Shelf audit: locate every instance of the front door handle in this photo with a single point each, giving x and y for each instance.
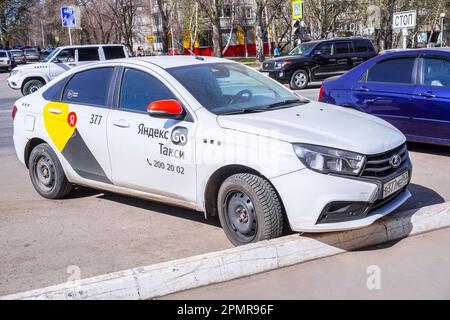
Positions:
(121, 123)
(55, 111)
(427, 94)
(362, 89)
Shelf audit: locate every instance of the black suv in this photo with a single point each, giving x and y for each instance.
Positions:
(318, 60)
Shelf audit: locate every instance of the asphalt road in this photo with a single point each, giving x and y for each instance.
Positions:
(97, 232)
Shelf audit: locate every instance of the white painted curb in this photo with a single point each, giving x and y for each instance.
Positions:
(172, 276)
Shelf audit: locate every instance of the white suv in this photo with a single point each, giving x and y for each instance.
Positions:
(214, 136)
(29, 78)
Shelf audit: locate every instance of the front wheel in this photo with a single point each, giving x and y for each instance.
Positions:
(31, 86)
(47, 174)
(249, 209)
(299, 80)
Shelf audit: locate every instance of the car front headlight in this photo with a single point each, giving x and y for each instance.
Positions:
(329, 160)
(14, 73)
(281, 64)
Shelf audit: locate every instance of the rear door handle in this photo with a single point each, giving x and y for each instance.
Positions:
(427, 94)
(362, 89)
(121, 123)
(55, 111)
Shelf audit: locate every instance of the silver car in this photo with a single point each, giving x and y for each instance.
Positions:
(31, 55)
(18, 55)
(6, 61)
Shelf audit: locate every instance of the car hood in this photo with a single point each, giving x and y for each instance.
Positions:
(33, 66)
(285, 58)
(319, 124)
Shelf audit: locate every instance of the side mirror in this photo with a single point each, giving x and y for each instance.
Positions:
(318, 53)
(165, 109)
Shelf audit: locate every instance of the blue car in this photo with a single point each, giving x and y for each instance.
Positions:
(410, 89)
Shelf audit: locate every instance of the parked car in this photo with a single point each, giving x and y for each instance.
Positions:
(318, 60)
(31, 54)
(215, 136)
(45, 53)
(18, 56)
(30, 78)
(6, 61)
(410, 89)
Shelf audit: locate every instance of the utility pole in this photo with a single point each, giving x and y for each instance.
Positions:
(42, 34)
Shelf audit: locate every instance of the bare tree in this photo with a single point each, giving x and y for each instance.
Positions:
(213, 11)
(14, 19)
(165, 10)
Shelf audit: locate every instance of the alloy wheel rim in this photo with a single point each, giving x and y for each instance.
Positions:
(300, 79)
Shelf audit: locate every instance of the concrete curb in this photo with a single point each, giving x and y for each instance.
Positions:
(177, 275)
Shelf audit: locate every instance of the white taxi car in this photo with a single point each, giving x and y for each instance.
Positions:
(214, 136)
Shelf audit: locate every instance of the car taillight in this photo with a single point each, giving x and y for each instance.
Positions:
(8, 61)
(14, 111)
(321, 93)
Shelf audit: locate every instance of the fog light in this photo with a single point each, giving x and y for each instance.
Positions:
(343, 211)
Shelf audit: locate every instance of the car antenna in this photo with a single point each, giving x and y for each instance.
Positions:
(192, 53)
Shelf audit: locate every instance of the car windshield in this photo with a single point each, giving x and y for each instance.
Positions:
(2, 54)
(50, 56)
(230, 88)
(32, 51)
(303, 49)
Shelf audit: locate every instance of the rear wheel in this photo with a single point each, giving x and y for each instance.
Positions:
(31, 86)
(249, 209)
(47, 174)
(299, 80)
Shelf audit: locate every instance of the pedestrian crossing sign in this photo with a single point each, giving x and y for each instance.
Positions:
(297, 9)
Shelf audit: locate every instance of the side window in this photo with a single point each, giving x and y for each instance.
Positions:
(67, 55)
(392, 71)
(360, 46)
(114, 52)
(436, 72)
(139, 89)
(54, 92)
(88, 54)
(326, 49)
(89, 87)
(341, 48)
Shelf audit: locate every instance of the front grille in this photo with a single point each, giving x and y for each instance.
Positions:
(379, 166)
(268, 66)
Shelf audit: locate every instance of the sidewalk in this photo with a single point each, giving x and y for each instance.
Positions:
(413, 268)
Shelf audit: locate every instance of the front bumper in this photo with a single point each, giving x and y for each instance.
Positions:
(306, 195)
(282, 76)
(14, 82)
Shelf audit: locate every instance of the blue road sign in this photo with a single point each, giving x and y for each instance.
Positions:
(68, 17)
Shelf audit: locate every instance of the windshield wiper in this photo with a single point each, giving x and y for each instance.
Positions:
(285, 102)
(240, 111)
(276, 105)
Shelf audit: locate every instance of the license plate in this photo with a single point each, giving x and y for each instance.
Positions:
(265, 73)
(395, 184)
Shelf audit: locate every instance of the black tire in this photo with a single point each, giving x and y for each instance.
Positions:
(47, 174)
(299, 80)
(249, 209)
(31, 86)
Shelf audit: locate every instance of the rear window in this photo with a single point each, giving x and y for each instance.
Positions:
(392, 71)
(341, 47)
(30, 51)
(361, 46)
(88, 54)
(114, 53)
(89, 87)
(2, 54)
